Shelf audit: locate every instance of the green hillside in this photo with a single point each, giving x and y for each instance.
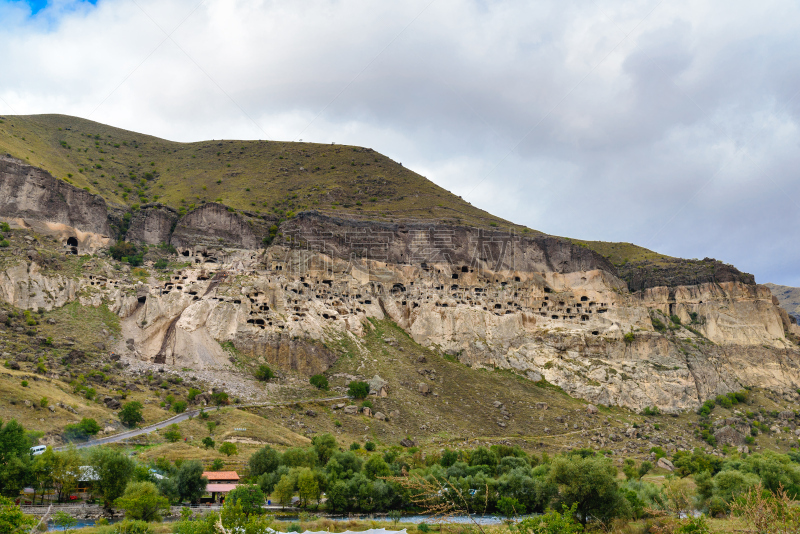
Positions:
(129, 168)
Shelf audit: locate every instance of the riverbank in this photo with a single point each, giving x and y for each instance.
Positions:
(720, 526)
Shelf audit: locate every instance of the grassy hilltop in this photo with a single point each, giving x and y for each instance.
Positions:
(278, 177)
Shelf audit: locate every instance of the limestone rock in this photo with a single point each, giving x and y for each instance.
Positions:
(591, 409)
(663, 463)
(729, 436)
(351, 410)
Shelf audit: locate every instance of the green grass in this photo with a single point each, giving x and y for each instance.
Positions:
(268, 177)
(621, 253)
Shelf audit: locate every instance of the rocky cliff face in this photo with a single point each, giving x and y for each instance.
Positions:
(540, 306)
(32, 198)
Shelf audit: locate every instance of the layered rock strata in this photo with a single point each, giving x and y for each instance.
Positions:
(539, 305)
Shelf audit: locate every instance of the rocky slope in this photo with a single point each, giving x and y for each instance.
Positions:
(789, 298)
(287, 292)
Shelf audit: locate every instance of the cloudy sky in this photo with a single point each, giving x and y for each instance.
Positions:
(672, 125)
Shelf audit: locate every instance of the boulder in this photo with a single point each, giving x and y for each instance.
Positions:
(112, 403)
(591, 409)
(380, 416)
(425, 389)
(311, 413)
(534, 376)
(13, 365)
(338, 406)
(663, 463)
(367, 412)
(542, 406)
(351, 410)
(786, 415)
(728, 435)
(407, 443)
(497, 404)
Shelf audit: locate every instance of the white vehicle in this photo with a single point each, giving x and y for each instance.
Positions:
(37, 450)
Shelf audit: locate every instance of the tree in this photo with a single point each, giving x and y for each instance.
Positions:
(217, 464)
(66, 466)
(114, 469)
(265, 460)
(483, 456)
(249, 496)
(12, 520)
(589, 484)
(228, 448)
(208, 443)
(284, 490)
(42, 472)
(169, 489)
(357, 389)
(191, 482)
(319, 382)
(264, 373)
(142, 500)
(376, 467)
(15, 458)
(338, 497)
(131, 413)
(173, 434)
(325, 445)
(307, 486)
(179, 406)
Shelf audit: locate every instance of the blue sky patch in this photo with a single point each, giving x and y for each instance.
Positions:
(38, 5)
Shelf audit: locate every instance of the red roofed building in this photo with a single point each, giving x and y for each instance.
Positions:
(220, 482)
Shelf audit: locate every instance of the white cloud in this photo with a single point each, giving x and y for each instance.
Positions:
(666, 124)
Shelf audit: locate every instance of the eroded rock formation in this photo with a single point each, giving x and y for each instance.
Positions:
(538, 305)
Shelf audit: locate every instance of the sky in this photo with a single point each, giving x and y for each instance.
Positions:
(672, 125)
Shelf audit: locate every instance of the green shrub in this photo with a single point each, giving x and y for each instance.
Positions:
(724, 401)
(4, 243)
(87, 427)
(370, 446)
(319, 382)
(628, 338)
(675, 319)
(220, 397)
(264, 373)
(658, 325)
(179, 406)
(135, 526)
(357, 389)
(5, 227)
(354, 446)
(173, 434)
(161, 264)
